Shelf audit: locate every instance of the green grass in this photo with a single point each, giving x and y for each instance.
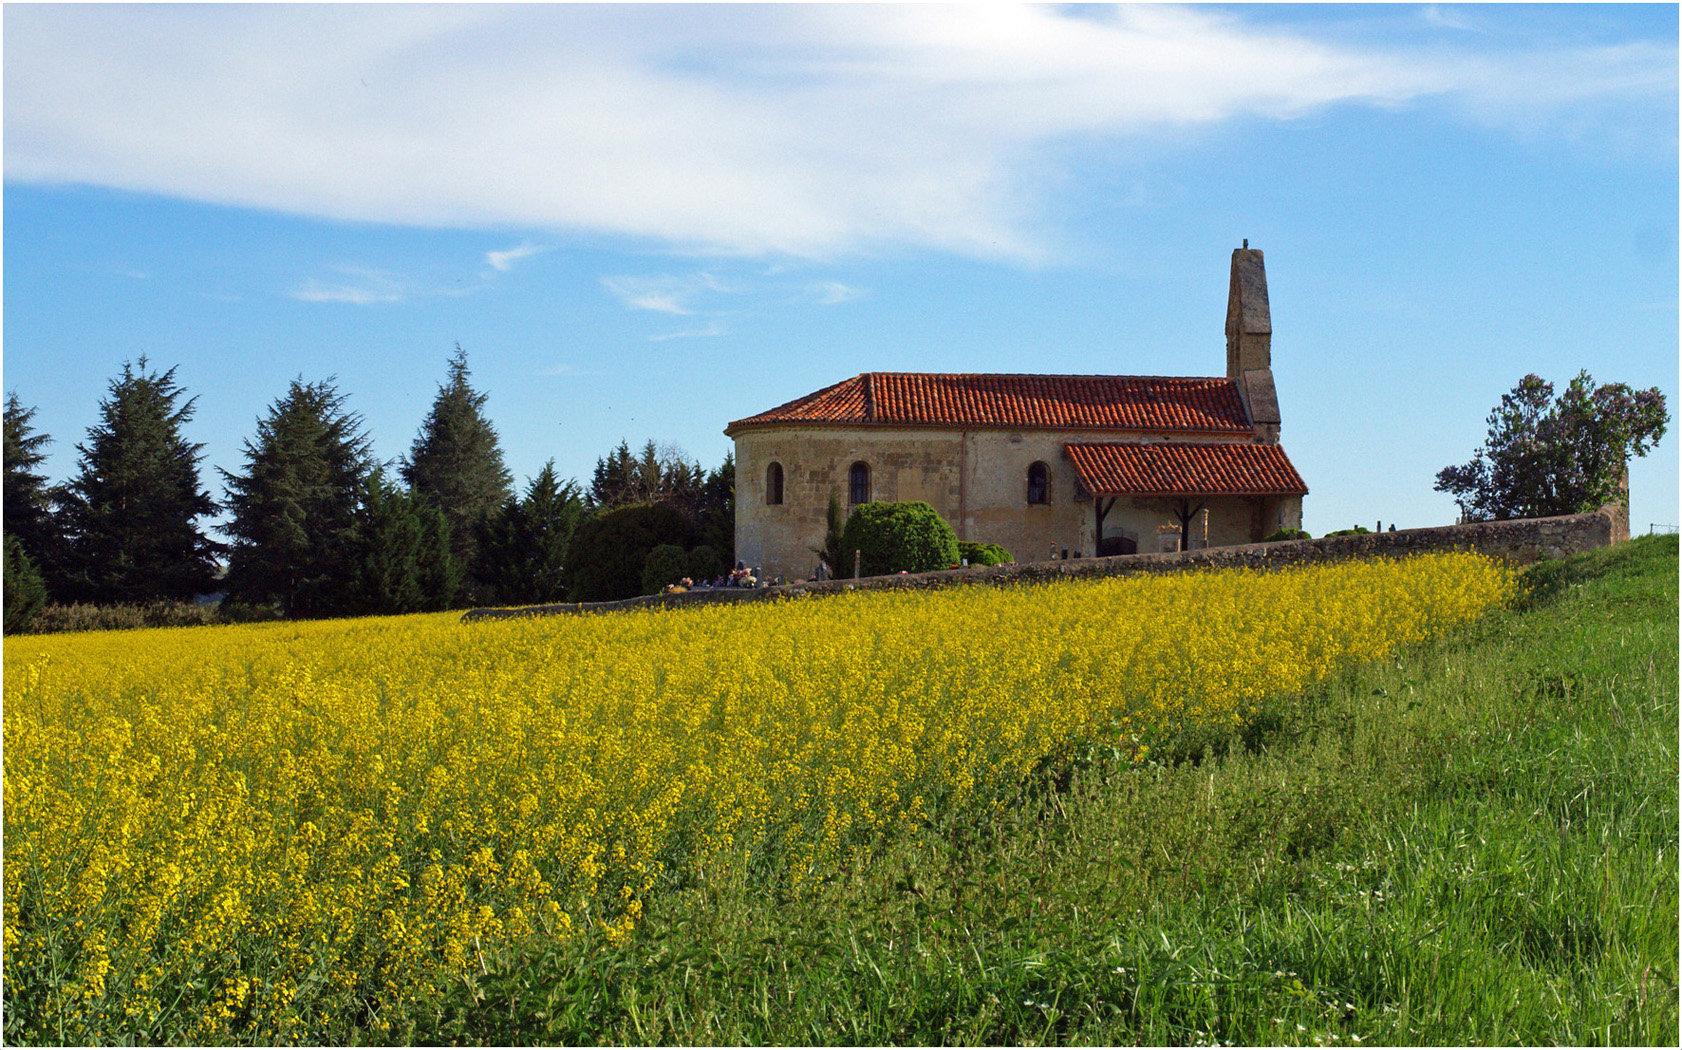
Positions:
(1473, 843)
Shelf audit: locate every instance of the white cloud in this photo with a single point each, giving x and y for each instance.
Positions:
(504, 261)
(706, 331)
(805, 130)
(366, 287)
(567, 371)
(664, 293)
(831, 293)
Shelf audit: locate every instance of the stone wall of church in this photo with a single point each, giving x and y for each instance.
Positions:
(977, 480)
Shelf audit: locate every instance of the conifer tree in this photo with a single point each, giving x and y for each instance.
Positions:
(28, 501)
(456, 462)
(294, 507)
(403, 559)
(131, 513)
(524, 549)
(25, 593)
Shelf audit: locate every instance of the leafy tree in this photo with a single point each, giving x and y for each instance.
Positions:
(899, 537)
(1544, 457)
(28, 500)
(130, 516)
(294, 507)
(456, 461)
(403, 559)
(25, 591)
(523, 550)
(609, 549)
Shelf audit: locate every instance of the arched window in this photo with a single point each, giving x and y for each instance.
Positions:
(774, 484)
(858, 483)
(1039, 488)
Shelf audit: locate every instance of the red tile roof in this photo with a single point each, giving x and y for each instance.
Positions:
(1016, 402)
(1185, 469)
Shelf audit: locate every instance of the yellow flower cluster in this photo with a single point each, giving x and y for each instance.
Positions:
(262, 832)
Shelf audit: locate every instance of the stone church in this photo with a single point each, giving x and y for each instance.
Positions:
(1047, 466)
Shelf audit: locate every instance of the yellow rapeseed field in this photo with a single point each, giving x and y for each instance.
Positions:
(254, 833)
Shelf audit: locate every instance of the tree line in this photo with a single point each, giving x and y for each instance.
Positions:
(317, 526)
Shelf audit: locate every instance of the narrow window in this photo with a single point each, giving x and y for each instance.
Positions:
(858, 484)
(1038, 490)
(774, 484)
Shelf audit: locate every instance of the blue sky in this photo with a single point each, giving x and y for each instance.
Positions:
(643, 222)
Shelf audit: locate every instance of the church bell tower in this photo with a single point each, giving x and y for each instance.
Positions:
(1249, 342)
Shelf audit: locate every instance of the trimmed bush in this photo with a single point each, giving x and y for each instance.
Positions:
(1359, 530)
(1287, 534)
(984, 553)
(665, 564)
(898, 537)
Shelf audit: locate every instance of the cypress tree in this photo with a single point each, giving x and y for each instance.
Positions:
(131, 513)
(294, 507)
(456, 462)
(403, 561)
(25, 593)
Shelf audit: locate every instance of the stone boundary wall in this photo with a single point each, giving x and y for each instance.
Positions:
(1518, 542)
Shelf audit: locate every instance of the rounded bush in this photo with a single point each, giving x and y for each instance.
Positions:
(898, 537)
(1287, 534)
(705, 563)
(665, 564)
(984, 553)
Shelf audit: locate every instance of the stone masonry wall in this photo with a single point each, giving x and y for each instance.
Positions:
(1518, 542)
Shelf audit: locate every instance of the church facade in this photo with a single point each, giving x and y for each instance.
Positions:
(1047, 466)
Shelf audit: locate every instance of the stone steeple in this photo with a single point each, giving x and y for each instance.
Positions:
(1249, 342)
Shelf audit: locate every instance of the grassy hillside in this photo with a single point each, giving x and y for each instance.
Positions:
(1475, 842)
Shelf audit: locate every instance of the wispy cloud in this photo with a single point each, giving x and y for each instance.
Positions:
(505, 260)
(567, 371)
(831, 293)
(791, 130)
(363, 288)
(664, 293)
(706, 331)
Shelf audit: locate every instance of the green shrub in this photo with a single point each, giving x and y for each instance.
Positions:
(1287, 534)
(665, 564)
(77, 616)
(608, 550)
(1359, 530)
(704, 563)
(899, 537)
(984, 553)
(25, 591)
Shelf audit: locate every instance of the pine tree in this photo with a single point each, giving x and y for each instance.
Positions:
(294, 506)
(524, 549)
(456, 462)
(28, 501)
(131, 513)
